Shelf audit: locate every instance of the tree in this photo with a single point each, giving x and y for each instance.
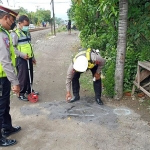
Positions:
(59, 21)
(121, 48)
(23, 11)
(98, 22)
(70, 13)
(77, 1)
(42, 15)
(38, 16)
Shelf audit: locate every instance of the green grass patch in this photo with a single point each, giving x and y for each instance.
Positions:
(86, 82)
(61, 29)
(146, 102)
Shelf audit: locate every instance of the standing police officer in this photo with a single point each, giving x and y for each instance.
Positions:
(7, 74)
(86, 59)
(23, 50)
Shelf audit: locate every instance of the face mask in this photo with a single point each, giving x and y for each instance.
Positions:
(12, 26)
(25, 28)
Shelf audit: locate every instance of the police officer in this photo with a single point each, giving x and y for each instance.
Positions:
(23, 50)
(7, 74)
(85, 59)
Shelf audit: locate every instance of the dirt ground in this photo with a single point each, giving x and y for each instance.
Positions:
(54, 124)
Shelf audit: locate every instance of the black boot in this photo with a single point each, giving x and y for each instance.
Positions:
(23, 98)
(97, 89)
(75, 98)
(6, 133)
(75, 87)
(99, 101)
(7, 142)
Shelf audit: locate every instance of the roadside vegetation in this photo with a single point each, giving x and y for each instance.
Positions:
(39, 16)
(98, 20)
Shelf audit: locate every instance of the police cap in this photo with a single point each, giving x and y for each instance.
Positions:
(10, 10)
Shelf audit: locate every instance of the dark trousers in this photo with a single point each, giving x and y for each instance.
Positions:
(23, 74)
(96, 84)
(5, 118)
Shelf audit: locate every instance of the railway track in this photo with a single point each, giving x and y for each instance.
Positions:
(38, 29)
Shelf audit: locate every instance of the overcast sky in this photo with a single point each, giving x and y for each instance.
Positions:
(61, 6)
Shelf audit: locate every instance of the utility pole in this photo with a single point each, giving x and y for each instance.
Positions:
(8, 2)
(52, 1)
(37, 7)
(51, 19)
(14, 3)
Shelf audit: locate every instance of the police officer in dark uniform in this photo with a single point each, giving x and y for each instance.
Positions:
(7, 74)
(85, 59)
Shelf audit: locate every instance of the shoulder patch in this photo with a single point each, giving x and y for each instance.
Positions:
(6, 41)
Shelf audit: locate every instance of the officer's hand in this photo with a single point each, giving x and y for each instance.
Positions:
(34, 62)
(97, 76)
(26, 57)
(16, 89)
(68, 96)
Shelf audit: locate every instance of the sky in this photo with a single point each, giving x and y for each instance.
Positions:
(60, 6)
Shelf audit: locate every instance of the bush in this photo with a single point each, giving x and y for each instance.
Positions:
(109, 81)
(130, 68)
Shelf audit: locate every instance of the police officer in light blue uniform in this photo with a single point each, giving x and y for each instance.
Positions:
(7, 73)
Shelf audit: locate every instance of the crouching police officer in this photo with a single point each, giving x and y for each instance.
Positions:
(85, 59)
(7, 74)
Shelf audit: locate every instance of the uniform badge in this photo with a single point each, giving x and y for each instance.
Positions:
(7, 43)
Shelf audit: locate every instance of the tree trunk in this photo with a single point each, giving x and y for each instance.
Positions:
(121, 48)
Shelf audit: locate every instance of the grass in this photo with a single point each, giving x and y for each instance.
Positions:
(61, 29)
(146, 102)
(86, 82)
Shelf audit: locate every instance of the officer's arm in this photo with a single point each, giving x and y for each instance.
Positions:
(33, 58)
(101, 64)
(15, 43)
(70, 75)
(5, 59)
(99, 60)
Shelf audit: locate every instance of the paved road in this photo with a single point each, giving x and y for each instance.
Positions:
(53, 124)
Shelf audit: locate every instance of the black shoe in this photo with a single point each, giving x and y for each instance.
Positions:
(23, 98)
(36, 93)
(99, 101)
(75, 98)
(7, 142)
(6, 133)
